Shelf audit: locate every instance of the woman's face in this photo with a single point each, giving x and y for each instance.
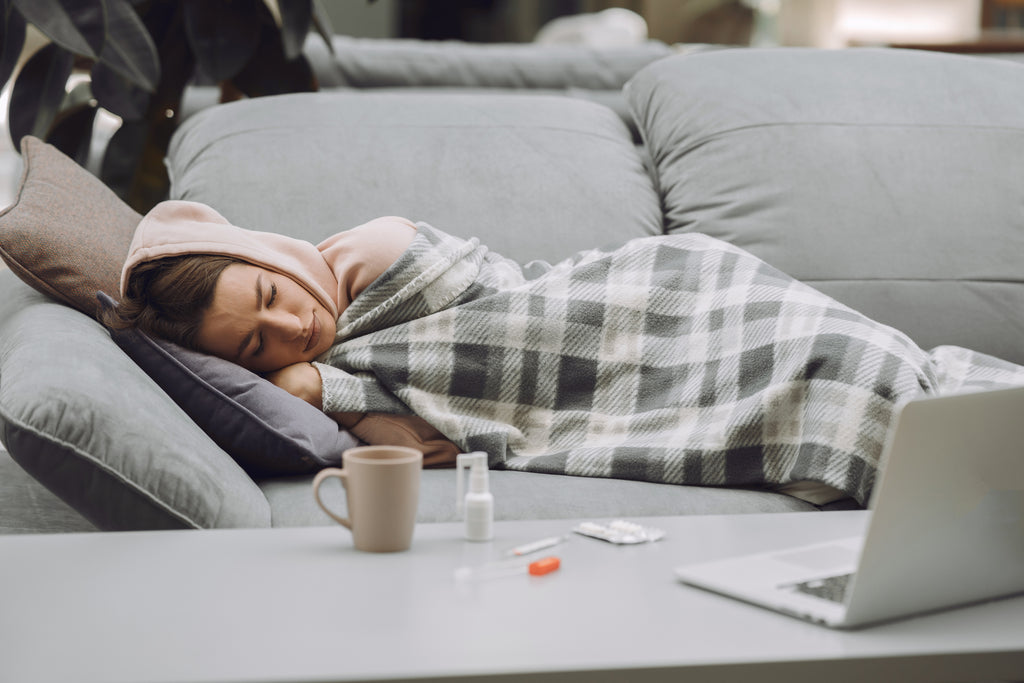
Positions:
(263, 320)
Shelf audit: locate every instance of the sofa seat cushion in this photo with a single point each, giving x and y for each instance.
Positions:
(889, 179)
(532, 495)
(533, 177)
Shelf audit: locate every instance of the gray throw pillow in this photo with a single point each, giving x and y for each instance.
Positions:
(85, 421)
(268, 431)
(889, 179)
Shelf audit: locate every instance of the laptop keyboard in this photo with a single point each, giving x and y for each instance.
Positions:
(829, 588)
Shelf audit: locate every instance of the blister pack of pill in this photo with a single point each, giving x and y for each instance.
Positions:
(619, 531)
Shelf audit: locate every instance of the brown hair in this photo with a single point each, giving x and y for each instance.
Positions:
(167, 297)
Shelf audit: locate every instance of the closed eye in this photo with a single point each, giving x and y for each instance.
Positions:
(270, 302)
(260, 304)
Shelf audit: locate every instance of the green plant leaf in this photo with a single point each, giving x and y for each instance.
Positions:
(12, 32)
(134, 162)
(117, 94)
(79, 26)
(71, 131)
(223, 35)
(38, 92)
(322, 24)
(121, 159)
(80, 94)
(133, 165)
(129, 50)
(269, 72)
(296, 17)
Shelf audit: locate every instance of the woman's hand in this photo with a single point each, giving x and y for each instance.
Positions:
(302, 380)
(378, 429)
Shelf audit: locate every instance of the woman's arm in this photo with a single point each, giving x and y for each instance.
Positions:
(303, 380)
(380, 429)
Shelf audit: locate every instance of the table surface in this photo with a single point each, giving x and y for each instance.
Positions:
(301, 604)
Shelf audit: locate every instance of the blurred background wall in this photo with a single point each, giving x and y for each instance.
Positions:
(819, 23)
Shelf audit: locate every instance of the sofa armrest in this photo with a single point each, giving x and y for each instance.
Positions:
(389, 63)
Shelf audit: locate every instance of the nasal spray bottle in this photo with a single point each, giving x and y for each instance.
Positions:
(478, 502)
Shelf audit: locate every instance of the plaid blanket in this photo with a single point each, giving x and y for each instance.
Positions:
(677, 359)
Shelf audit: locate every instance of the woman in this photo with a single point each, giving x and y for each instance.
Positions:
(217, 301)
(675, 359)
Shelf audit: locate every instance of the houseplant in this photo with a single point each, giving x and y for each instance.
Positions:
(135, 58)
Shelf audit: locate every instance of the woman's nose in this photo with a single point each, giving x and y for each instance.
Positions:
(286, 325)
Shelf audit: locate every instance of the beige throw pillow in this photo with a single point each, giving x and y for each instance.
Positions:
(66, 234)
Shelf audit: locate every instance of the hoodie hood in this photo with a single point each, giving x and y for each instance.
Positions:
(176, 228)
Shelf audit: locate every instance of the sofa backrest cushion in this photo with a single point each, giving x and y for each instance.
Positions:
(532, 177)
(889, 179)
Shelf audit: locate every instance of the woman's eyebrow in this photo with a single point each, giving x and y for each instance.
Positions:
(259, 292)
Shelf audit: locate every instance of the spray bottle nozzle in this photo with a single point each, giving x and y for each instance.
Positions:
(477, 464)
(478, 503)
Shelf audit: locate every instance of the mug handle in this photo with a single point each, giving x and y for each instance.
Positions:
(323, 474)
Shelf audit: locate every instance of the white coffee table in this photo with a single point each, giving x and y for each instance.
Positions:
(301, 605)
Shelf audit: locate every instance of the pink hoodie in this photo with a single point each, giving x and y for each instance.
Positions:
(334, 271)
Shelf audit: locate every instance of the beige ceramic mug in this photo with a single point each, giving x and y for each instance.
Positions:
(382, 486)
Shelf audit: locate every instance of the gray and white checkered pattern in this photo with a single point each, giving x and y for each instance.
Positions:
(677, 359)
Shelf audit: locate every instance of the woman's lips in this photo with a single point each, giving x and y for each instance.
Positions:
(314, 335)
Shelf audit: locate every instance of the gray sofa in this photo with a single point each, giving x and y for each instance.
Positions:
(888, 179)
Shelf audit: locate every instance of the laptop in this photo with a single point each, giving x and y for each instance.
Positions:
(946, 524)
